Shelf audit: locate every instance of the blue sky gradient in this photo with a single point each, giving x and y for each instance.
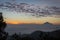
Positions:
(11, 15)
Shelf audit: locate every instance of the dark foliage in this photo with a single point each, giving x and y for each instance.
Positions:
(3, 34)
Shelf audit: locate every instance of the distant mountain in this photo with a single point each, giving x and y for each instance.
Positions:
(47, 23)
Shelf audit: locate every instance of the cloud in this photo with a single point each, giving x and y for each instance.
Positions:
(35, 10)
(50, 0)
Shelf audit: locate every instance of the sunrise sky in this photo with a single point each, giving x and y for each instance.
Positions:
(12, 15)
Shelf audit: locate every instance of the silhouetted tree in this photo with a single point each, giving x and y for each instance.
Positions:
(2, 23)
(27, 38)
(15, 37)
(3, 34)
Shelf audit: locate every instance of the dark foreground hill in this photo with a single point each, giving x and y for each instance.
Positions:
(39, 35)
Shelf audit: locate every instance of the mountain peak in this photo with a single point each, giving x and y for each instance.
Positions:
(47, 23)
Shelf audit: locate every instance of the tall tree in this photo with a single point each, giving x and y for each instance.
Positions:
(3, 34)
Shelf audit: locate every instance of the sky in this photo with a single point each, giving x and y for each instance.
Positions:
(30, 11)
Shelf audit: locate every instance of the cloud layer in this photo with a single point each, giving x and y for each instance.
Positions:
(35, 10)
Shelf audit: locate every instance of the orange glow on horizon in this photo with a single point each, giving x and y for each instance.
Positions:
(30, 22)
(34, 21)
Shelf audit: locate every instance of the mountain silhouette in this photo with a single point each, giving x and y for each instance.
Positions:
(40, 35)
(47, 23)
